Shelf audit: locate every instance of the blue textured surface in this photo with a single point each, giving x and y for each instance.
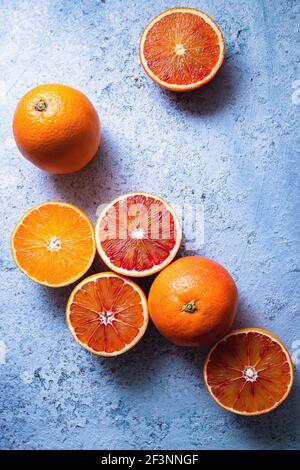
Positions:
(232, 145)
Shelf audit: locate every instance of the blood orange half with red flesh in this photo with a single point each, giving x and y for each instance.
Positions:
(249, 372)
(182, 49)
(138, 234)
(107, 314)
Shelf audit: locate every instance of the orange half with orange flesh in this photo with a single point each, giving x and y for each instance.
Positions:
(107, 314)
(182, 49)
(54, 244)
(138, 234)
(249, 372)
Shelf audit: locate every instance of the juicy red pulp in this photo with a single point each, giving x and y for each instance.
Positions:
(138, 233)
(196, 43)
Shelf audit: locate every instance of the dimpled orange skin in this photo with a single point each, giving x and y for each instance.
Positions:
(56, 128)
(198, 284)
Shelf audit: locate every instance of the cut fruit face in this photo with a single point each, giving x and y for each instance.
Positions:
(249, 372)
(182, 49)
(138, 234)
(54, 244)
(107, 314)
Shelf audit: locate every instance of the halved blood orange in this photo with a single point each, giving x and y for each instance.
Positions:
(138, 234)
(107, 314)
(249, 372)
(182, 49)
(54, 243)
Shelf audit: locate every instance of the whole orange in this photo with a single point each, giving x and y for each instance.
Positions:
(57, 128)
(193, 301)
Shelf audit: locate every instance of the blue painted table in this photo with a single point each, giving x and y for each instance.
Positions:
(231, 146)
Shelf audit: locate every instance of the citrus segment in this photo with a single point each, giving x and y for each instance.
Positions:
(107, 314)
(249, 372)
(138, 234)
(182, 49)
(54, 243)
